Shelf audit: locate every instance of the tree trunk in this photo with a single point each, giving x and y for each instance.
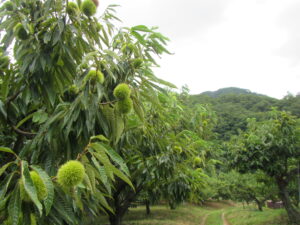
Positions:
(121, 205)
(293, 214)
(147, 202)
(172, 205)
(259, 205)
(115, 219)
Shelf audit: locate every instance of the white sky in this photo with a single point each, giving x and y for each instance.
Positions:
(252, 44)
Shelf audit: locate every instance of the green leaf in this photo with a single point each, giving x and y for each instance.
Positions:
(4, 86)
(100, 137)
(88, 182)
(3, 202)
(3, 110)
(3, 168)
(102, 200)
(90, 173)
(29, 186)
(47, 37)
(5, 149)
(117, 127)
(123, 177)
(64, 209)
(138, 108)
(49, 185)
(32, 219)
(7, 180)
(141, 28)
(24, 120)
(39, 117)
(61, 25)
(102, 174)
(115, 157)
(166, 83)
(139, 37)
(14, 206)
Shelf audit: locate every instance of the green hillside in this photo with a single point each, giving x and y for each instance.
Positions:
(228, 90)
(234, 105)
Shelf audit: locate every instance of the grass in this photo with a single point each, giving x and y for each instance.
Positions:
(254, 217)
(188, 214)
(185, 215)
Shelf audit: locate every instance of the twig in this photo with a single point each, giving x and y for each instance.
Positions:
(84, 151)
(13, 97)
(17, 130)
(105, 103)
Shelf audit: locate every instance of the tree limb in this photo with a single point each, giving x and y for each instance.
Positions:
(13, 97)
(17, 130)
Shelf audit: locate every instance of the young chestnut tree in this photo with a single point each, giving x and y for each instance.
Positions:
(271, 146)
(59, 67)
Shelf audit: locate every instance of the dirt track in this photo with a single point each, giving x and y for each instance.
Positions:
(204, 220)
(225, 222)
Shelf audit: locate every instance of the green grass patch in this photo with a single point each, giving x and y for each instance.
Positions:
(242, 216)
(185, 215)
(188, 214)
(214, 218)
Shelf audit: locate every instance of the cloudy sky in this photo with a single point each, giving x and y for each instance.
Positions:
(252, 44)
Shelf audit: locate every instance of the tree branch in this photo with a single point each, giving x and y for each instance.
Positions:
(13, 97)
(17, 130)
(105, 103)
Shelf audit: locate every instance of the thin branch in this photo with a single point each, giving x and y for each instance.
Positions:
(17, 130)
(83, 152)
(106, 103)
(13, 97)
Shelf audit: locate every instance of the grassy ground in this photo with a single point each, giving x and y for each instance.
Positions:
(250, 216)
(210, 214)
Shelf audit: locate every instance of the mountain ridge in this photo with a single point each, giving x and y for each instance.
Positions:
(230, 90)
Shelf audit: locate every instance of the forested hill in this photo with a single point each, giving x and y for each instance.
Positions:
(228, 90)
(234, 105)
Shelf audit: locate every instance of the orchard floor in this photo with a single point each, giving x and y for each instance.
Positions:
(213, 213)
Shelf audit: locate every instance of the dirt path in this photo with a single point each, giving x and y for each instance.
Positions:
(204, 219)
(225, 222)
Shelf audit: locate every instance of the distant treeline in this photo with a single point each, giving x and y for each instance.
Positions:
(234, 105)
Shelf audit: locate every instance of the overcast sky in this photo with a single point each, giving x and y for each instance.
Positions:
(252, 44)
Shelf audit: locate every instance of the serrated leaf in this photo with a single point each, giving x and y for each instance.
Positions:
(100, 137)
(122, 176)
(49, 186)
(29, 186)
(117, 127)
(3, 168)
(90, 171)
(2, 109)
(5, 149)
(103, 201)
(166, 83)
(102, 157)
(88, 182)
(115, 157)
(3, 202)
(4, 188)
(14, 206)
(24, 120)
(63, 209)
(32, 219)
(61, 25)
(139, 37)
(141, 28)
(103, 174)
(138, 109)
